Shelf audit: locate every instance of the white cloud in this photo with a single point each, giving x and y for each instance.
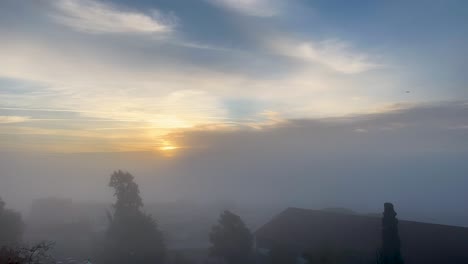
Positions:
(261, 8)
(144, 91)
(334, 54)
(78, 79)
(13, 119)
(96, 17)
(94, 86)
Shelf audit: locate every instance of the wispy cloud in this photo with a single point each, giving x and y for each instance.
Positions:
(97, 17)
(170, 84)
(334, 54)
(158, 94)
(13, 119)
(260, 8)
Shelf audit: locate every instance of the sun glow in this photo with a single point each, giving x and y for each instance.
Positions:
(167, 148)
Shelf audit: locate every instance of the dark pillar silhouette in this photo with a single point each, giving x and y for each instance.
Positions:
(390, 252)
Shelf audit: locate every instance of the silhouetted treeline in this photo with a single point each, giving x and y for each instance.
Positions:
(390, 252)
(11, 225)
(12, 249)
(133, 236)
(38, 253)
(231, 239)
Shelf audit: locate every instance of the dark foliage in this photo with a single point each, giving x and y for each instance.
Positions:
(36, 254)
(390, 251)
(231, 239)
(132, 236)
(11, 225)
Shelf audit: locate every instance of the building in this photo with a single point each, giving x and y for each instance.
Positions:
(356, 238)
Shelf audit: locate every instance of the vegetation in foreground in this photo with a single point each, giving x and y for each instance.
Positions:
(133, 236)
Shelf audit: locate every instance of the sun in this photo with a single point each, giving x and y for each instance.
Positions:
(168, 148)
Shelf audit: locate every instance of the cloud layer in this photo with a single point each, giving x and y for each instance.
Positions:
(260, 8)
(151, 68)
(96, 17)
(412, 156)
(13, 119)
(334, 54)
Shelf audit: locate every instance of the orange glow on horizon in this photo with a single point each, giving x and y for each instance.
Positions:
(168, 148)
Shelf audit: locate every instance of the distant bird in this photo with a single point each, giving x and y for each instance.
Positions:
(408, 92)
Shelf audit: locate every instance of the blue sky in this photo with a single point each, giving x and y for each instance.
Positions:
(123, 75)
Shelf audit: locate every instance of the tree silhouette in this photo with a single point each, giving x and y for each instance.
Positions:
(132, 236)
(35, 254)
(390, 252)
(231, 239)
(11, 225)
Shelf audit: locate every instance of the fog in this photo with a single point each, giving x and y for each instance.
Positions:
(233, 132)
(412, 156)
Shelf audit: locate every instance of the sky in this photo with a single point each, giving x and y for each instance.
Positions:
(104, 76)
(325, 98)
